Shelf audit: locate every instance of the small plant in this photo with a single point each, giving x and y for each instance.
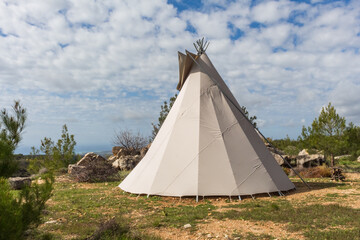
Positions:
(11, 127)
(118, 229)
(316, 172)
(57, 156)
(18, 212)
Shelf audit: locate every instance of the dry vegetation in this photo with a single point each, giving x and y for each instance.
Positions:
(330, 210)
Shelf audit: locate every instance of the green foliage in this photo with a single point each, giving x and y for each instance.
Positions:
(352, 138)
(326, 133)
(165, 109)
(287, 145)
(57, 155)
(251, 118)
(20, 211)
(11, 127)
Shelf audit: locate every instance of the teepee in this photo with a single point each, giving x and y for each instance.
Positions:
(206, 146)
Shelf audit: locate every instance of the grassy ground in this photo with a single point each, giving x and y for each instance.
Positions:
(330, 210)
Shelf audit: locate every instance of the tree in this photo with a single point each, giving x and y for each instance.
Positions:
(251, 118)
(128, 140)
(165, 109)
(352, 137)
(21, 211)
(57, 155)
(326, 132)
(11, 127)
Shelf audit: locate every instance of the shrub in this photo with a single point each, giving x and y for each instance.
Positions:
(118, 229)
(128, 140)
(291, 150)
(316, 172)
(22, 209)
(286, 170)
(11, 127)
(56, 156)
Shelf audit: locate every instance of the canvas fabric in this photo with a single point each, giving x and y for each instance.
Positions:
(206, 147)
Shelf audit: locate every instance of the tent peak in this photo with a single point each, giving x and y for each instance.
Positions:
(201, 46)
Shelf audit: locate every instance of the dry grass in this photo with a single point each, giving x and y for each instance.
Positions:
(330, 210)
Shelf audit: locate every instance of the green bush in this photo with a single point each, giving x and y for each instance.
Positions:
(56, 155)
(11, 126)
(19, 210)
(7, 164)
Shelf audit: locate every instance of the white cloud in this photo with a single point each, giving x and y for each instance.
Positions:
(98, 64)
(271, 11)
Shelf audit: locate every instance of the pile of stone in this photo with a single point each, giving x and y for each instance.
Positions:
(302, 160)
(23, 178)
(126, 159)
(92, 167)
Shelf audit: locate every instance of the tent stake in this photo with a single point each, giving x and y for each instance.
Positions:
(269, 194)
(252, 197)
(256, 129)
(281, 194)
(197, 198)
(148, 195)
(239, 197)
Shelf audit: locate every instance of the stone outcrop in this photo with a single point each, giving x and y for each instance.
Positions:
(126, 162)
(17, 183)
(92, 167)
(310, 160)
(127, 158)
(302, 160)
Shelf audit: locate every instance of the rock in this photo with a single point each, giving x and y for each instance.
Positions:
(278, 158)
(127, 151)
(305, 161)
(128, 162)
(115, 150)
(342, 156)
(92, 167)
(187, 226)
(43, 170)
(112, 158)
(143, 151)
(17, 183)
(209, 235)
(50, 222)
(21, 172)
(116, 164)
(303, 152)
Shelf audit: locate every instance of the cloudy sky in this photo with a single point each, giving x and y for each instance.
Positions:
(98, 66)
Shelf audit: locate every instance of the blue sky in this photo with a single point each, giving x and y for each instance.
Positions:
(100, 66)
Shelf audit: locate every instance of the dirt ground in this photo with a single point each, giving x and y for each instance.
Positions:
(215, 229)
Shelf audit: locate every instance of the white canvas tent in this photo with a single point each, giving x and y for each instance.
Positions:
(206, 146)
